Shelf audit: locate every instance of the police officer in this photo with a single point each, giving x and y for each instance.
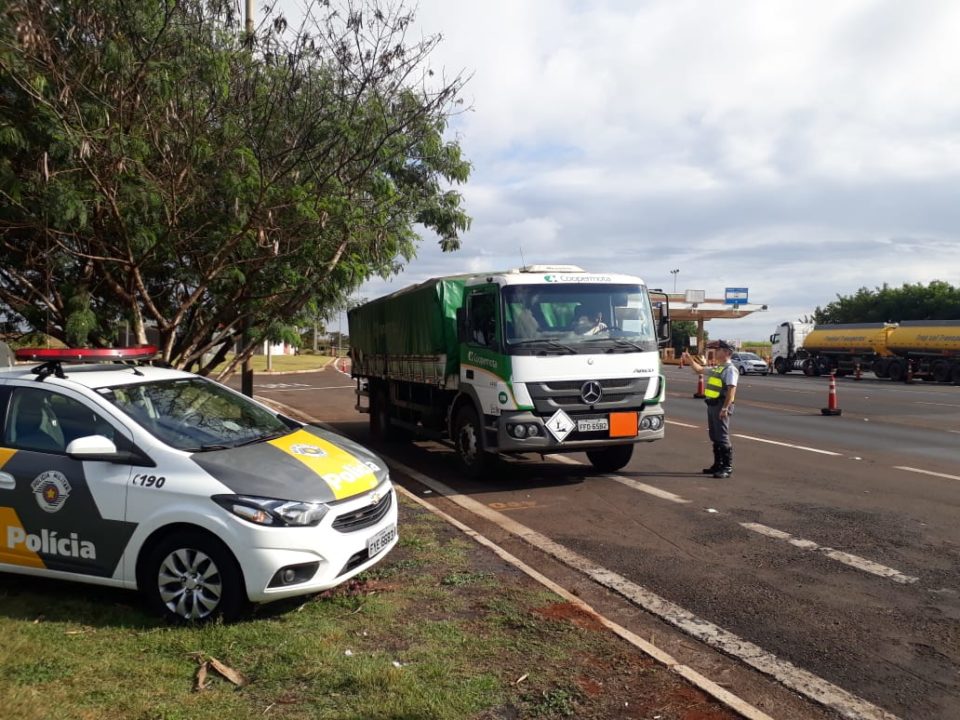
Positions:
(720, 389)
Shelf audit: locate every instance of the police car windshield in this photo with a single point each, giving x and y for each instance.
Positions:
(195, 414)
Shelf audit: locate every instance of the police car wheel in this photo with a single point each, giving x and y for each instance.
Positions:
(191, 577)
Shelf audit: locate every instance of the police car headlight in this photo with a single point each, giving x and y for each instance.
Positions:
(267, 511)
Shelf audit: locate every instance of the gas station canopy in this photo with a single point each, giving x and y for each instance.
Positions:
(709, 309)
(694, 305)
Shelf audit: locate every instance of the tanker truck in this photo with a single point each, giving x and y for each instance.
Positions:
(541, 359)
(926, 349)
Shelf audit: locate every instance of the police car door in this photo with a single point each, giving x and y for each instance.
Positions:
(57, 513)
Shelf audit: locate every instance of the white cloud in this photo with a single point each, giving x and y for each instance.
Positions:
(799, 149)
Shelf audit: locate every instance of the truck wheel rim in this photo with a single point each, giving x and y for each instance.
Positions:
(189, 583)
(468, 443)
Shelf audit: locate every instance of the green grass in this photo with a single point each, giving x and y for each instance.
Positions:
(436, 631)
(283, 363)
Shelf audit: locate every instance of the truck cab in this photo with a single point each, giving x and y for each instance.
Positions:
(787, 342)
(541, 359)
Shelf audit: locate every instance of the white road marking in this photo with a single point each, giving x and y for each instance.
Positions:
(649, 489)
(926, 472)
(629, 482)
(783, 444)
(303, 387)
(680, 424)
(918, 402)
(708, 686)
(788, 674)
(853, 561)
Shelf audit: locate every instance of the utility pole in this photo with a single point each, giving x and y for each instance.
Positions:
(249, 20)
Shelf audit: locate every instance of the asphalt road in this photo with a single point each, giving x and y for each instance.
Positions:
(834, 548)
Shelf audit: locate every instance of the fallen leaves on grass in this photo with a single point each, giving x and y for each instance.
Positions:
(207, 663)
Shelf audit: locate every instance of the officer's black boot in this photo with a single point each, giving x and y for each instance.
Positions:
(726, 468)
(717, 464)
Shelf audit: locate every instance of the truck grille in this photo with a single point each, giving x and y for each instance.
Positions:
(364, 517)
(618, 394)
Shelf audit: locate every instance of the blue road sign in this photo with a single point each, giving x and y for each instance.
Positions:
(735, 296)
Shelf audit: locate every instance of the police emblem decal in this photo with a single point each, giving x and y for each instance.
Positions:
(51, 489)
(308, 450)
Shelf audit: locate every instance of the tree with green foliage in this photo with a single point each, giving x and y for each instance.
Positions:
(160, 168)
(937, 301)
(680, 333)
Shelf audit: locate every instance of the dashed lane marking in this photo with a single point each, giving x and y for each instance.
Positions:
(783, 444)
(629, 482)
(853, 561)
(303, 387)
(680, 424)
(926, 472)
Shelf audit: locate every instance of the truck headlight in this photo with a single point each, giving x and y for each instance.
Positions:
(272, 512)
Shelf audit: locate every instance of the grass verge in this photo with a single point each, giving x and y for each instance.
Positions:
(440, 629)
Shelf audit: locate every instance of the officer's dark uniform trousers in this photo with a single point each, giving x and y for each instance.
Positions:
(717, 427)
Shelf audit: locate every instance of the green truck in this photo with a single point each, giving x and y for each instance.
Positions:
(541, 359)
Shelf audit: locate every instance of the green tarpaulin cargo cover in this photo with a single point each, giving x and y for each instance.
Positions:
(418, 321)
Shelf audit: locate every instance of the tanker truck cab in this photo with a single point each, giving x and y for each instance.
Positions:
(554, 359)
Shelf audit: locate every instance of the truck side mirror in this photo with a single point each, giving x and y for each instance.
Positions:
(461, 325)
(664, 331)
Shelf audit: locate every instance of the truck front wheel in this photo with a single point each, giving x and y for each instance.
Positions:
(610, 459)
(468, 440)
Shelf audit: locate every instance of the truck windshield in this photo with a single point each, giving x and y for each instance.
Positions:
(582, 318)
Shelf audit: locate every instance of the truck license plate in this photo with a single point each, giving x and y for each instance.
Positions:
(592, 424)
(379, 541)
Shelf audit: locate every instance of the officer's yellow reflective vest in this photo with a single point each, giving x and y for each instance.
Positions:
(713, 387)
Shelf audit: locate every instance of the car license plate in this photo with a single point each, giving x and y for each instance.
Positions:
(379, 541)
(592, 424)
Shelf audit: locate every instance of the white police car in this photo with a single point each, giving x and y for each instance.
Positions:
(155, 479)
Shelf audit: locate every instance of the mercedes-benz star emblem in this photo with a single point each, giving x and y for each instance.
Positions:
(591, 392)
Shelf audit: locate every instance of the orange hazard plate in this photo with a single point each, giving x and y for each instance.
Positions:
(623, 424)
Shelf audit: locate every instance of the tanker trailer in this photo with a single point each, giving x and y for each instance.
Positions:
(928, 349)
(833, 348)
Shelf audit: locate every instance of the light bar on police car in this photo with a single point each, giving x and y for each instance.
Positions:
(141, 352)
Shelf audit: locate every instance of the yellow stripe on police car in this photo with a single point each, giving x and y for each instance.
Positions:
(345, 474)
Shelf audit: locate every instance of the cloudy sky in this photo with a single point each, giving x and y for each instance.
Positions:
(799, 149)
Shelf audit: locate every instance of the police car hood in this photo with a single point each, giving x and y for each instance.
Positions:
(309, 464)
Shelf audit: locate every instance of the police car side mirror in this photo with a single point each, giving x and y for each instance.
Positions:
(102, 449)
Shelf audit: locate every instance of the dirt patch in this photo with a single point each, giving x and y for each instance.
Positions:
(572, 613)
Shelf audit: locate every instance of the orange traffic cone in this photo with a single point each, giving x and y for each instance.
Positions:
(699, 392)
(856, 372)
(909, 377)
(831, 408)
